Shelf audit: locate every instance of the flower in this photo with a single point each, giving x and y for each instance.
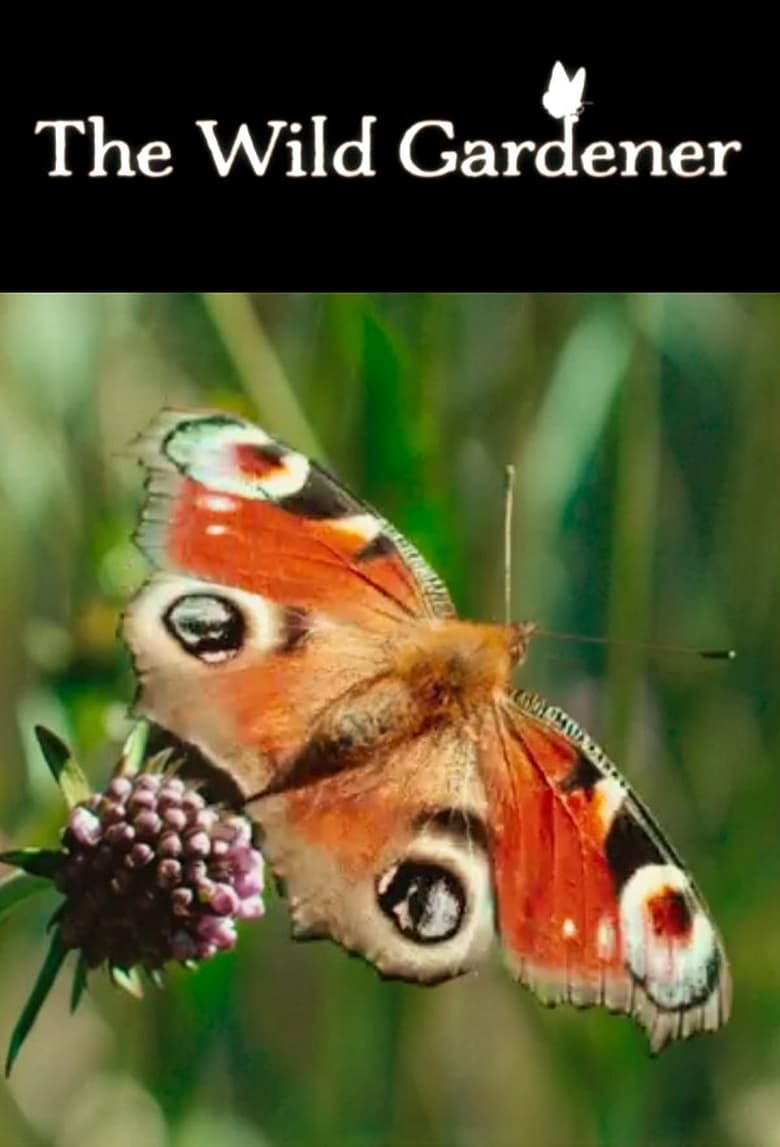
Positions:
(150, 873)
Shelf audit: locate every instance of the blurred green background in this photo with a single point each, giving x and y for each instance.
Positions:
(646, 434)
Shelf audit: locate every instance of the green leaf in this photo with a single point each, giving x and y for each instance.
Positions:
(133, 751)
(157, 976)
(79, 983)
(46, 977)
(36, 861)
(159, 762)
(17, 888)
(54, 750)
(128, 979)
(64, 768)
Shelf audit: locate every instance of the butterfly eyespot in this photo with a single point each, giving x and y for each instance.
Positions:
(211, 628)
(424, 901)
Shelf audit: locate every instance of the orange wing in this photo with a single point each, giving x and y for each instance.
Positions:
(390, 859)
(229, 503)
(594, 907)
(275, 595)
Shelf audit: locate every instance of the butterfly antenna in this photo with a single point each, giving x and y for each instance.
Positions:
(654, 647)
(509, 493)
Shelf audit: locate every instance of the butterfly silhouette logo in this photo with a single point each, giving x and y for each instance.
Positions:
(563, 97)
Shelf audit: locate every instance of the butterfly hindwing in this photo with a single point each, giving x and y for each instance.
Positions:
(391, 859)
(594, 906)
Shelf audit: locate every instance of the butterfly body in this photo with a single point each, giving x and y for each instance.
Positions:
(409, 800)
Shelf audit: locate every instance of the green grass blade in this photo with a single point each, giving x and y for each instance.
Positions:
(46, 977)
(259, 369)
(36, 861)
(64, 768)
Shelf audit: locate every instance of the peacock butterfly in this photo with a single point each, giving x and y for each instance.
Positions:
(410, 800)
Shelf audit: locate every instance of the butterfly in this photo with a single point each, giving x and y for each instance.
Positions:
(411, 802)
(564, 94)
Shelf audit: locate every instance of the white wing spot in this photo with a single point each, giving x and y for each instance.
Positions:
(605, 939)
(217, 503)
(386, 879)
(289, 478)
(365, 526)
(674, 968)
(568, 929)
(611, 792)
(441, 914)
(216, 529)
(206, 452)
(403, 916)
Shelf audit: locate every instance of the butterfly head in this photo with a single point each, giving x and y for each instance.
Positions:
(519, 635)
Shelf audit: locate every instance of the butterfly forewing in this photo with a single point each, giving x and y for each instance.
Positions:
(594, 906)
(228, 502)
(274, 594)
